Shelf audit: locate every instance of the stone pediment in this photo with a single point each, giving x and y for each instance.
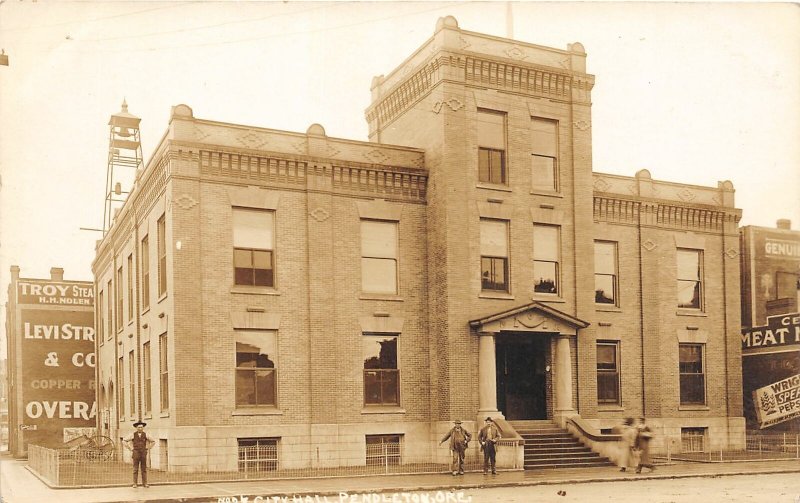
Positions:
(533, 317)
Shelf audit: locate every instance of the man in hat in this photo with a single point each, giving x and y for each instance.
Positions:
(459, 440)
(139, 444)
(488, 438)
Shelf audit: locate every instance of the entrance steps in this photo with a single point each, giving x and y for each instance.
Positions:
(549, 446)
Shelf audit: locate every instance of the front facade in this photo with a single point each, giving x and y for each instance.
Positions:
(321, 297)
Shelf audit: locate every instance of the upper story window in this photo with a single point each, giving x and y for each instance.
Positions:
(146, 378)
(253, 247)
(100, 320)
(256, 353)
(381, 375)
(492, 147)
(692, 374)
(145, 272)
(378, 256)
(130, 287)
(162, 255)
(605, 273)
(544, 146)
(119, 308)
(494, 255)
(546, 256)
(109, 310)
(690, 279)
(163, 369)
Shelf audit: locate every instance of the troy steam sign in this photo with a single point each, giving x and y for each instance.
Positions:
(783, 330)
(778, 402)
(54, 292)
(56, 358)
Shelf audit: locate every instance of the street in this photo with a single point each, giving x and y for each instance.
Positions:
(771, 488)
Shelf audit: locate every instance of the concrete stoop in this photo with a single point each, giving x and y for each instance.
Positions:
(548, 446)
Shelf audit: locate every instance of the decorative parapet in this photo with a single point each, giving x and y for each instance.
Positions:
(471, 58)
(642, 200)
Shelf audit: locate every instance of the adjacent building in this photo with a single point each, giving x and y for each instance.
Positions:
(317, 296)
(51, 360)
(770, 265)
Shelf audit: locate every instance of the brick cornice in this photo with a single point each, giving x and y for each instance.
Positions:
(664, 214)
(501, 74)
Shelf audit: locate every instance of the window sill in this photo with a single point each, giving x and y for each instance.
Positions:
(257, 411)
(499, 296)
(162, 297)
(254, 290)
(691, 312)
(147, 416)
(164, 414)
(145, 310)
(547, 193)
(493, 186)
(694, 407)
(544, 297)
(609, 408)
(607, 309)
(383, 409)
(380, 296)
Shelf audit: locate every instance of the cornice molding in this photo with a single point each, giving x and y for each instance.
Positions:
(663, 214)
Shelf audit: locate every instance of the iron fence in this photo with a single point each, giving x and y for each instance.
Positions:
(71, 468)
(758, 447)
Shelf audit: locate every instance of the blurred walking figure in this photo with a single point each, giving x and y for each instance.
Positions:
(628, 434)
(488, 438)
(459, 440)
(643, 436)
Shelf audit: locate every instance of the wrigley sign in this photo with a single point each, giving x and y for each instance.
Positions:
(778, 402)
(782, 330)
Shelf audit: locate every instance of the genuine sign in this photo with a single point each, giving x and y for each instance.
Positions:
(780, 331)
(778, 402)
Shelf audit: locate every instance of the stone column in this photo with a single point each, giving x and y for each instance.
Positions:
(487, 377)
(563, 380)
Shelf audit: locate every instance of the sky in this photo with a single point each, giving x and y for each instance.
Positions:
(694, 92)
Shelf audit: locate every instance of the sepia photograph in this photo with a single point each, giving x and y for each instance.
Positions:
(399, 251)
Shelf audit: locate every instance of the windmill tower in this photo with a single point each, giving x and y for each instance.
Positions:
(124, 161)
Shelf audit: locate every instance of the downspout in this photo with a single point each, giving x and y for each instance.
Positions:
(641, 299)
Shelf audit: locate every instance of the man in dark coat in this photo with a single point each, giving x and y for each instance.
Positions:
(459, 439)
(488, 438)
(643, 436)
(139, 444)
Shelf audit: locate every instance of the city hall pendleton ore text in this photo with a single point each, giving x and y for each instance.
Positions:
(318, 295)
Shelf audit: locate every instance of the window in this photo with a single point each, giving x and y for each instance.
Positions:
(381, 376)
(491, 146)
(253, 245)
(256, 352)
(787, 285)
(100, 321)
(145, 273)
(692, 374)
(162, 256)
(494, 255)
(109, 312)
(546, 245)
(608, 372)
(258, 454)
(164, 369)
(132, 382)
(147, 378)
(378, 257)
(121, 388)
(383, 450)
(130, 287)
(690, 287)
(119, 309)
(605, 273)
(544, 144)
(693, 439)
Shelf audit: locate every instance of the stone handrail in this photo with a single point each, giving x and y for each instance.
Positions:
(608, 445)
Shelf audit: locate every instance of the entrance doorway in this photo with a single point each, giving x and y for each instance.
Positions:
(522, 375)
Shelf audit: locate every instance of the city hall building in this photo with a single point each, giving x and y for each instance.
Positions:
(319, 296)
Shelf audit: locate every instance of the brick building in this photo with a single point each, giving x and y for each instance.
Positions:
(770, 265)
(317, 295)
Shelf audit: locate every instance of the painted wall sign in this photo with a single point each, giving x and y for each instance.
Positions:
(781, 248)
(783, 330)
(57, 364)
(778, 402)
(55, 292)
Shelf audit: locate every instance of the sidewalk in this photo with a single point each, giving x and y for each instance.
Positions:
(18, 485)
